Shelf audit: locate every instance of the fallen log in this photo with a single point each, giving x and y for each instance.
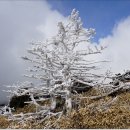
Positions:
(106, 94)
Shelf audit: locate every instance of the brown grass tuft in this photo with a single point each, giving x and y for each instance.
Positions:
(115, 117)
(4, 123)
(89, 114)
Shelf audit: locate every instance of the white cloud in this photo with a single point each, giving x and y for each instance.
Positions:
(118, 50)
(20, 23)
(49, 27)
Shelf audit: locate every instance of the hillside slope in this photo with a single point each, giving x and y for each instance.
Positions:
(108, 112)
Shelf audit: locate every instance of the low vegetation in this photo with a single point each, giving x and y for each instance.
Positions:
(101, 113)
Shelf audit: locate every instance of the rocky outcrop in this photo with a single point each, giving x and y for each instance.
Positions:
(19, 101)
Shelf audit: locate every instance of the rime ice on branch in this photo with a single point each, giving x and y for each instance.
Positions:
(60, 64)
(62, 67)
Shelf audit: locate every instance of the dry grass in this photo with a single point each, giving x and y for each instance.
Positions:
(25, 109)
(4, 123)
(115, 116)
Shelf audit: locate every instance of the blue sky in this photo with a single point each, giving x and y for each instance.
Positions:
(102, 15)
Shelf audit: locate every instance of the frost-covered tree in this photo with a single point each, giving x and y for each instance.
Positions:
(63, 68)
(59, 62)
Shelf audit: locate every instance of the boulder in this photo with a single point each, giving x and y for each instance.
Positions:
(19, 101)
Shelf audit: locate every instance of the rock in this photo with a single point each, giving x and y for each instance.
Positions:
(121, 77)
(80, 87)
(19, 101)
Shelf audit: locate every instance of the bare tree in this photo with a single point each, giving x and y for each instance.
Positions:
(62, 67)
